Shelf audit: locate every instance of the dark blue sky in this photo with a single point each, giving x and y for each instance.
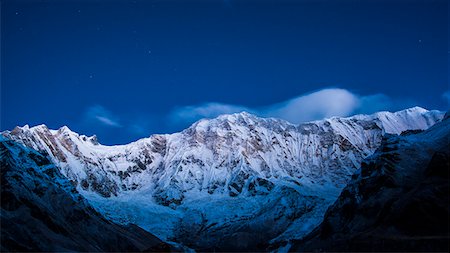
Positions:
(124, 69)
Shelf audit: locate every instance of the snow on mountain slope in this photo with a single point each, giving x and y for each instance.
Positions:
(397, 201)
(42, 211)
(230, 160)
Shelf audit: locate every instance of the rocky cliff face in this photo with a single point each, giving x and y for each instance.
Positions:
(42, 211)
(397, 201)
(221, 170)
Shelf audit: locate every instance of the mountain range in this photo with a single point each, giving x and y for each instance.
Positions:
(235, 182)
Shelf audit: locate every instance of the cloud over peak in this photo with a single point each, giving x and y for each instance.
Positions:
(316, 105)
(306, 107)
(206, 110)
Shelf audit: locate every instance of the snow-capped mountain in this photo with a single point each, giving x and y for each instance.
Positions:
(399, 200)
(223, 176)
(42, 211)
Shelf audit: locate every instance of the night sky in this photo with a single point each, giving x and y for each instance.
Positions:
(127, 69)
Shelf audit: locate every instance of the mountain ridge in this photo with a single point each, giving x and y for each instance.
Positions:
(222, 116)
(42, 211)
(397, 201)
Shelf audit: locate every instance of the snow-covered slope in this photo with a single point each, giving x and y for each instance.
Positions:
(217, 168)
(42, 211)
(399, 200)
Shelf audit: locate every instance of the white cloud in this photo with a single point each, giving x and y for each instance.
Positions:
(99, 114)
(312, 106)
(107, 121)
(207, 110)
(317, 105)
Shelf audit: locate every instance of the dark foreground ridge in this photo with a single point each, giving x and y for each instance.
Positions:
(398, 200)
(42, 211)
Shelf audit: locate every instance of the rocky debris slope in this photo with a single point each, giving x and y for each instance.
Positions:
(231, 177)
(397, 201)
(42, 211)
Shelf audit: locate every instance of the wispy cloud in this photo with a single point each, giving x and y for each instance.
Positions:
(133, 124)
(99, 114)
(207, 110)
(316, 105)
(111, 125)
(311, 106)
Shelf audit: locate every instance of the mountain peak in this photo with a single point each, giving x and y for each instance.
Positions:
(64, 129)
(40, 127)
(244, 114)
(417, 108)
(234, 116)
(93, 139)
